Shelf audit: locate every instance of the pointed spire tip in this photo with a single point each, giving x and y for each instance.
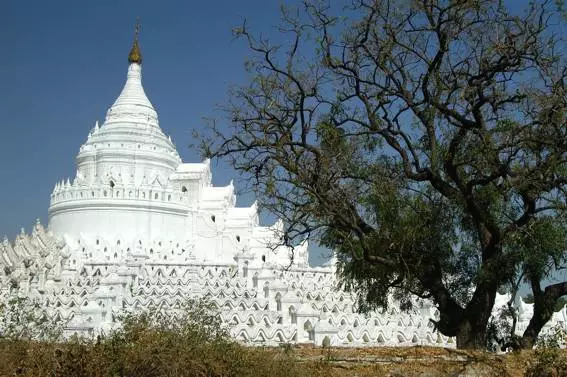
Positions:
(135, 55)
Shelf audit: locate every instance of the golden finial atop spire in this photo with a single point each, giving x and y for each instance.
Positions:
(135, 55)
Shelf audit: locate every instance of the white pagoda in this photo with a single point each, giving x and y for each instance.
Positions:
(137, 227)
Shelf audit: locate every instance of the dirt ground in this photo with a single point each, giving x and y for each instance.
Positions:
(414, 361)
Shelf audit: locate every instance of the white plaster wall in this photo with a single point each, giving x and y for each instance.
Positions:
(127, 220)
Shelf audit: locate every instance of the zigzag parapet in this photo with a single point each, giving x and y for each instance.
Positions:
(261, 303)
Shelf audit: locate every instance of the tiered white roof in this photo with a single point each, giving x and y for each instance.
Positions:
(131, 129)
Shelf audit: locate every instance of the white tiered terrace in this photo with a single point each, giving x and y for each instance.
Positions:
(137, 227)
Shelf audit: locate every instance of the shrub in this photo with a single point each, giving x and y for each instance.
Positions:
(23, 319)
(556, 337)
(149, 344)
(549, 362)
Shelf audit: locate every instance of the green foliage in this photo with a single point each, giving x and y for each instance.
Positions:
(529, 298)
(412, 229)
(499, 329)
(540, 245)
(560, 304)
(555, 338)
(25, 319)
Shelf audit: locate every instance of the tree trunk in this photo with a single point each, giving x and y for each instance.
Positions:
(530, 334)
(467, 324)
(544, 303)
(471, 333)
(470, 336)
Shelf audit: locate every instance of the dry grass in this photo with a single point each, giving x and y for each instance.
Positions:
(158, 354)
(152, 346)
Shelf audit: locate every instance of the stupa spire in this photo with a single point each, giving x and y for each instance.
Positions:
(133, 99)
(135, 55)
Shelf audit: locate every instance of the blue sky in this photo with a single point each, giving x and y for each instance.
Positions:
(64, 62)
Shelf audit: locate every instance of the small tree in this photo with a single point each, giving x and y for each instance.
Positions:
(424, 141)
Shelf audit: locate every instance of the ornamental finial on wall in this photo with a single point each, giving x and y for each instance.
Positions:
(135, 55)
